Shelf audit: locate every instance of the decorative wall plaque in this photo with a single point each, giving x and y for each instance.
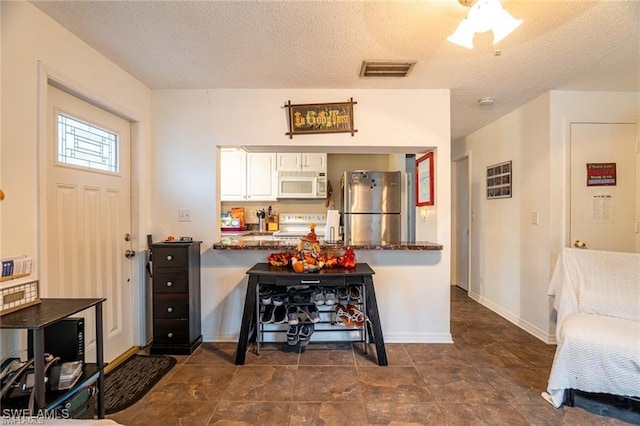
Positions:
(320, 118)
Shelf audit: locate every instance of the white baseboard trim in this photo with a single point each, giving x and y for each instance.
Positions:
(388, 338)
(515, 320)
(418, 338)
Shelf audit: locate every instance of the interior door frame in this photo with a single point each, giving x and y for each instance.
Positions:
(49, 75)
(454, 250)
(592, 119)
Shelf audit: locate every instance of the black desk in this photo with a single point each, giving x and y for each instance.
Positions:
(50, 311)
(264, 273)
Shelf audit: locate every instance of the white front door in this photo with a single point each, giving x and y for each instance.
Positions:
(603, 207)
(88, 215)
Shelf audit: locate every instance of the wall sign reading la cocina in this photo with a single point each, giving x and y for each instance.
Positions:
(320, 118)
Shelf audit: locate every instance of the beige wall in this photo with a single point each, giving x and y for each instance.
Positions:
(191, 126)
(35, 47)
(512, 259)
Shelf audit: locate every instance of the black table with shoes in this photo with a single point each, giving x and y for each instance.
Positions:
(264, 274)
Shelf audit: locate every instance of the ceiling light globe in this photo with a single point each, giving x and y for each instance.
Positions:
(482, 15)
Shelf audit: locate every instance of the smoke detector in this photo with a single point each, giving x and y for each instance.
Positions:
(486, 102)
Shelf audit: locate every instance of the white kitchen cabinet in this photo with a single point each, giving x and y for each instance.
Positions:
(295, 162)
(233, 175)
(247, 176)
(314, 162)
(262, 178)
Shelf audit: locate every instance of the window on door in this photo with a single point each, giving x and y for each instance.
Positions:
(85, 145)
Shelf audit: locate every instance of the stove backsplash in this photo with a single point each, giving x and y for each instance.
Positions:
(281, 206)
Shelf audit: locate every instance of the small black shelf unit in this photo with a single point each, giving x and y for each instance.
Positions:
(37, 318)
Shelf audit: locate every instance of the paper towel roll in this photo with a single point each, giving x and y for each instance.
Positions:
(332, 230)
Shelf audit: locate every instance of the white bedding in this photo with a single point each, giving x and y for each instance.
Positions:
(597, 297)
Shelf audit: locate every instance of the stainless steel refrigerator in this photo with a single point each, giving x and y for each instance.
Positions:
(371, 206)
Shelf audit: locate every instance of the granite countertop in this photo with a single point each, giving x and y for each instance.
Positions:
(356, 245)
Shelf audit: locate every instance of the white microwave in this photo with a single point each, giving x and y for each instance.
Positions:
(302, 184)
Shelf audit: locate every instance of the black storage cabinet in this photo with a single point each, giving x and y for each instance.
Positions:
(176, 298)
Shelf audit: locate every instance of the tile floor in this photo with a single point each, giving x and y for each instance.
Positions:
(492, 375)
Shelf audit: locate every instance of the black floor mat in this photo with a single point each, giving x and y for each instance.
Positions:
(131, 380)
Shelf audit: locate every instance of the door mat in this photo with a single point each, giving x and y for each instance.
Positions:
(131, 380)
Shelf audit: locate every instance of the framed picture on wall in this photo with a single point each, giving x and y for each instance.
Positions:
(499, 180)
(424, 180)
(336, 117)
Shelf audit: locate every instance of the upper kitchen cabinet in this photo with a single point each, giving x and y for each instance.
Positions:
(247, 176)
(295, 162)
(233, 175)
(262, 178)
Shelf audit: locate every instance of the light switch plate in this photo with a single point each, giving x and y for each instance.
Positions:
(184, 215)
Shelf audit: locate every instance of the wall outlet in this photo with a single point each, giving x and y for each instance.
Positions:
(534, 218)
(184, 215)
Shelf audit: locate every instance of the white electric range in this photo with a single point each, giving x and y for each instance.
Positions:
(294, 226)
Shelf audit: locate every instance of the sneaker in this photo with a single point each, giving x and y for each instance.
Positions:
(277, 299)
(292, 315)
(292, 335)
(312, 313)
(267, 314)
(299, 297)
(317, 297)
(280, 314)
(265, 298)
(304, 335)
(343, 295)
(329, 298)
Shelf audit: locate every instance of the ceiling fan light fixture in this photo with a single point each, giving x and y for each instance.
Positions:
(484, 15)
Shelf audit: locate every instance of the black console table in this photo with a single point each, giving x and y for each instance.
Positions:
(45, 313)
(264, 273)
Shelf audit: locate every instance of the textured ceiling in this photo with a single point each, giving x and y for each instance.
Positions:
(564, 45)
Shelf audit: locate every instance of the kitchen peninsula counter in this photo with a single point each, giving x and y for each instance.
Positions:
(411, 279)
(357, 245)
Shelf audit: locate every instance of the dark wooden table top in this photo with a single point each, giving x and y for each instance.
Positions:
(267, 269)
(46, 312)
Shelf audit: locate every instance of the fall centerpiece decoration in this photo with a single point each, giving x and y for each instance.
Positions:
(309, 258)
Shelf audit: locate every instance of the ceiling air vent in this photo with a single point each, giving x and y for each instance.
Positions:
(385, 68)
